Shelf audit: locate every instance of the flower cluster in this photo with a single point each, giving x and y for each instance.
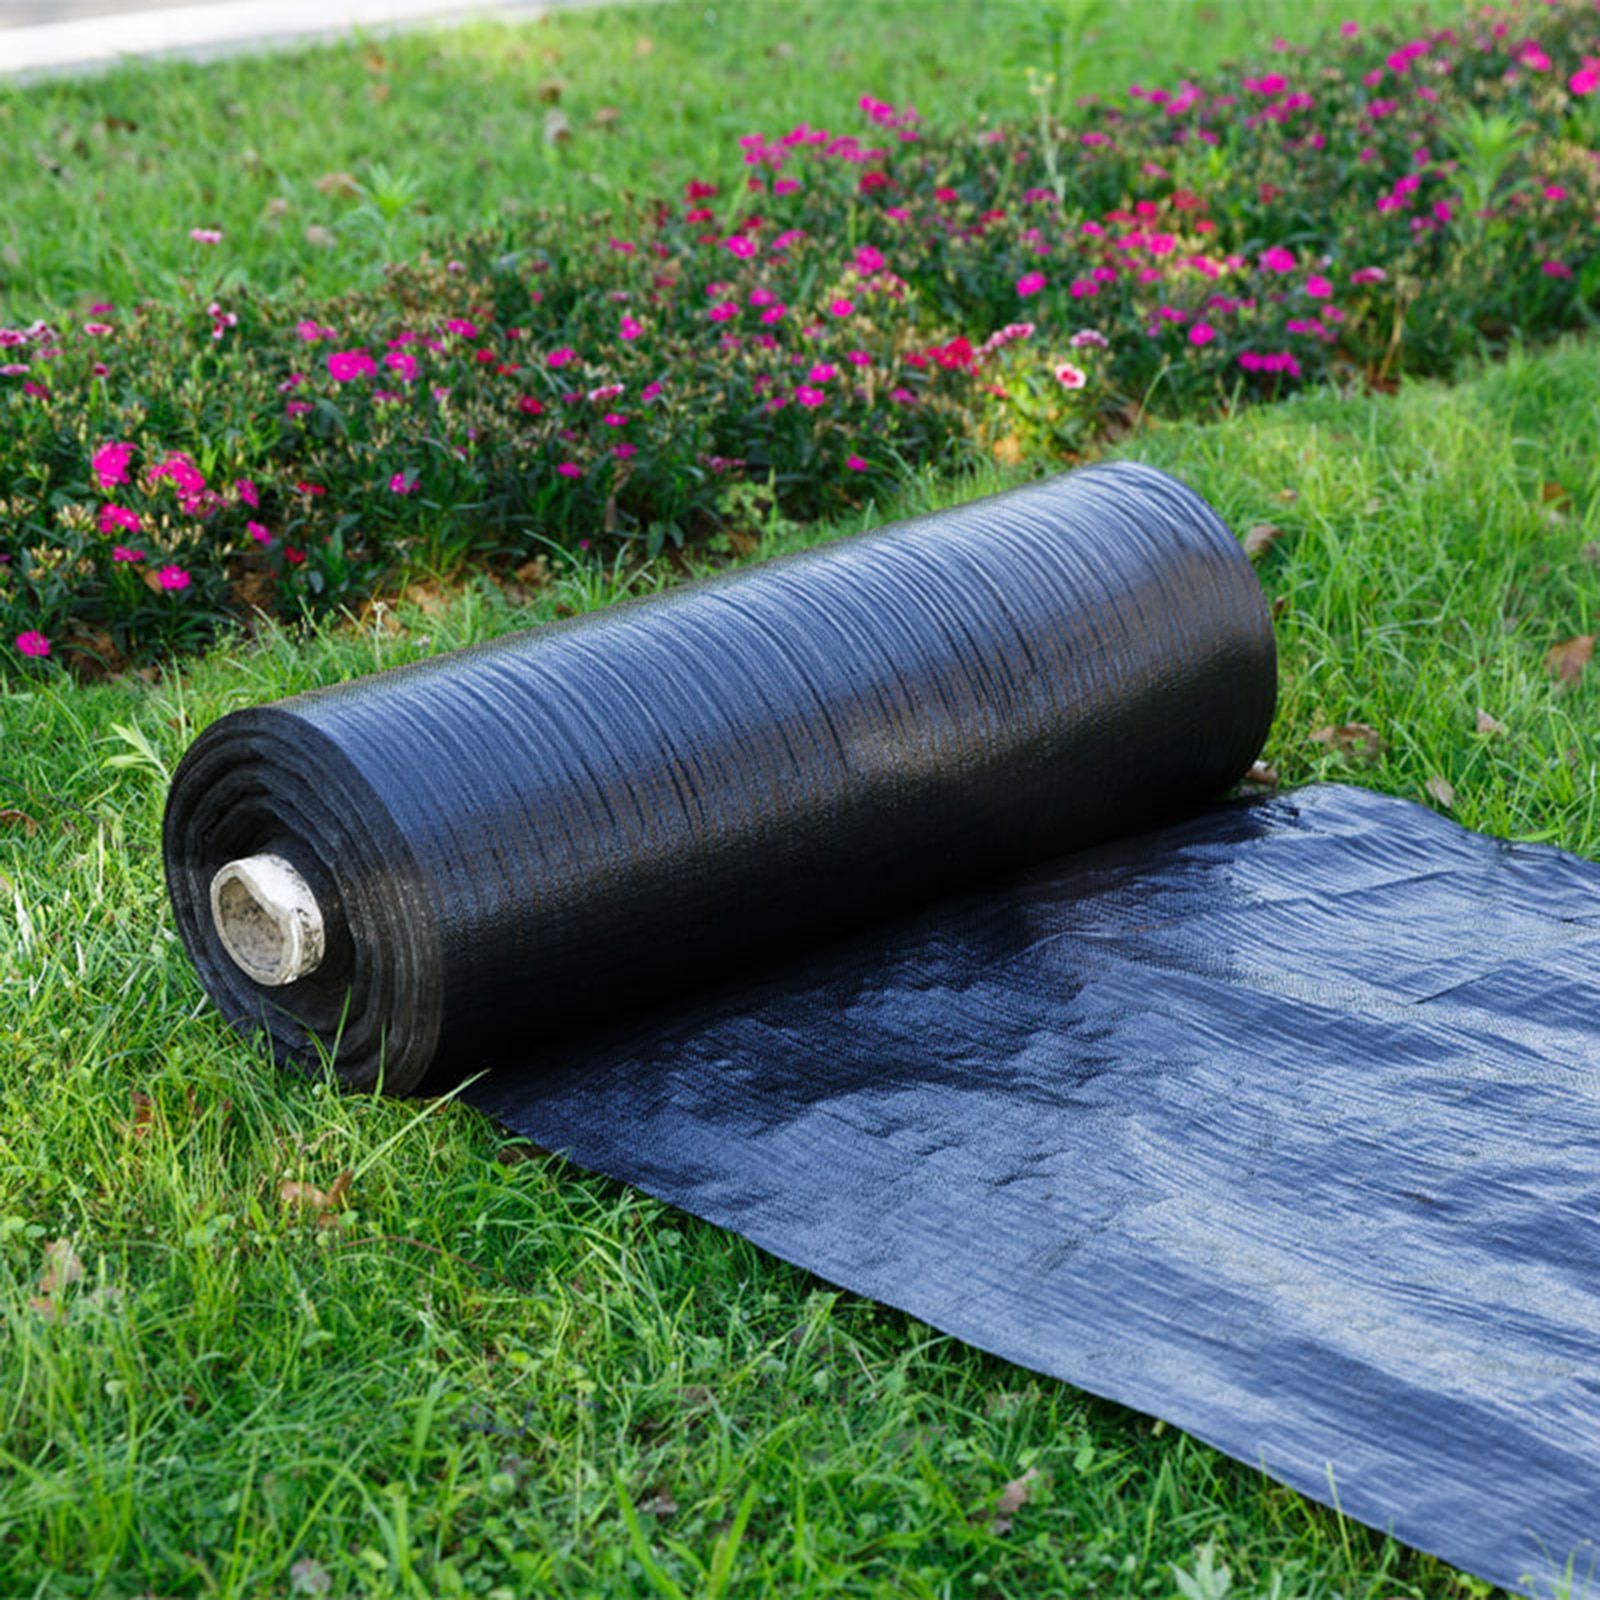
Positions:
(792, 337)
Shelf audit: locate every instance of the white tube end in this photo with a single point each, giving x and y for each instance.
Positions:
(268, 919)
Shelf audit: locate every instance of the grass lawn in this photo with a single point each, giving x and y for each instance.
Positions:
(494, 1374)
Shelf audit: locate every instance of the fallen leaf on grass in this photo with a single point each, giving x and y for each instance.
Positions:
(1262, 775)
(1565, 662)
(549, 92)
(1442, 791)
(323, 1204)
(1488, 724)
(607, 117)
(322, 238)
(19, 819)
(660, 1504)
(309, 1577)
(138, 1126)
(1350, 738)
(1553, 493)
(1013, 1498)
(1261, 539)
(62, 1267)
(342, 183)
(557, 130)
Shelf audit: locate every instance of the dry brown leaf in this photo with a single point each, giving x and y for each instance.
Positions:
(1350, 738)
(138, 1126)
(1261, 539)
(660, 1504)
(19, 819)
(322, 238)
(323, 1204)
(607, 117)
(643, 45)
(1488, 724)
(1591, 553)
(1287, 496)
(1442, 790)
(1013, 1498)
(557, 130)
(62, 1266)
(1566, 661)
(1262, 774)
(1552, 493)
(377, 93)
(341, 183)
(549, 92)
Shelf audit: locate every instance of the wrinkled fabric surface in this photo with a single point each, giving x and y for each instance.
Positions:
(933, 969)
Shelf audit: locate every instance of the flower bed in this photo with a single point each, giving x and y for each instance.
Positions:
(789, 342)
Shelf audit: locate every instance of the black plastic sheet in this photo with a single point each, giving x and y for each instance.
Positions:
(881, 892)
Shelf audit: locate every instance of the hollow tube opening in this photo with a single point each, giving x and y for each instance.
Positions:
(268, 919)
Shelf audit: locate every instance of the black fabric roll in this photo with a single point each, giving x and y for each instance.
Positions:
(658, 793)
(1276, 1118)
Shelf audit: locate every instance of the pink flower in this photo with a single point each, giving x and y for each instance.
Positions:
(1586, 79)
(1532, 57)
(1086, 338)
(257, 532)
(561, 357)
(402, 362)
(630, 329)
(297, 408)
(858, 358)
(855, 463)
(623, 451)
(723, 310)
(401, 484)
(459, 325)
(109, 464)
(570, 469)
(841, 308)
(762, 297)
(869, 260)
(650, 391)
(821, 373)
(1202, 333)
(173, 578)
(33, 643)
(1031, 283)
(1554, 191)
(530, 405)
(1369, 275)
(312, 331)
(1555, 269)
(97, 328)
(808, 396)
(1277, 259)
(122, 553)
(741, 245)
(903, 397)
(1071, 377)
(186, 476)
(615, 419)
(344, 365)
(206, 235)
(1083, 288)
(247, 492)
(37, 390)
(114, 518)
(774, 313)
(1318, 288)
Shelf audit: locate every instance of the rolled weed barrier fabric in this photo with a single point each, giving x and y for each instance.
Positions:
(913, 944)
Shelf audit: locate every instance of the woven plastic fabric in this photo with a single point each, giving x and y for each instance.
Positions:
(906, 942)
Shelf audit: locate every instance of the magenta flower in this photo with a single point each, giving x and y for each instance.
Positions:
(1202, 333)
(37, 390)
(1586, 79)
(1031, 283)
(839, 308)
(623, 451)
(1277, 259)
(459, 325)
(33, 643)
(821, 373)
(258, 532)
(650, 391)
(403, 363)
(1532, 57)
(808, 396)
(401, 484)
(97, 328)
(1369, 275)
(206, 235)
(1089, 338)
(173, 578)
(570, 469)
(723, 310)
(185, 475)
(631, 328)
(115, 518)
(615, 419)
(345, 365)
(1071, 377)
(762, 297)
(1083, 288)
(774, 313)
(1555, 269)
(1318, 288)
(741, 245)
(122, 553)
(855, 463)
(109, 464)
(561, 357)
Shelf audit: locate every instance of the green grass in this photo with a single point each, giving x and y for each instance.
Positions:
(104, 177)
(496, 1374)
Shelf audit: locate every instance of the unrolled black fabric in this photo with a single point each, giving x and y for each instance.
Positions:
(918, 951)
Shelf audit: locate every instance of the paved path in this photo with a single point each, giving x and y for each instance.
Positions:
(38, 37)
